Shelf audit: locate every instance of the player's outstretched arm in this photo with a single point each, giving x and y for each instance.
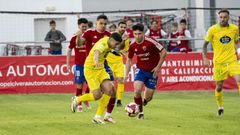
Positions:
(204, 54)
(69, 54)
(95, 58)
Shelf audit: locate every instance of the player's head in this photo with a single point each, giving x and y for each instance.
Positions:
(82, 24)
(183, 23)
(138, 32)
(90, 24)
(122, 26)
(114, 40)
(223, 16)
(112, 28)
(154, 25)
(52, 24)
(129, 23)
(101, 23)
(174, 27)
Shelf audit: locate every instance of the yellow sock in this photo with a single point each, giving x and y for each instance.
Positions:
(102, 104)
(219, 98)
(120, 91)
(86, 97)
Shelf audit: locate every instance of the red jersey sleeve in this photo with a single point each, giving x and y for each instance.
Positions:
(72, 43)
(156, 44)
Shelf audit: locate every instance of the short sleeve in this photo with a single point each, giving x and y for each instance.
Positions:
(72, 43)
(237, 35)
(209, 35)
(127, 44)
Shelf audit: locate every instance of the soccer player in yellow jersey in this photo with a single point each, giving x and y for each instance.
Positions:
(97, 78)
(224, 38)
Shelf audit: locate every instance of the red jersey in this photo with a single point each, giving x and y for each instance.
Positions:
(147, 53)
(130, 33)
(155, 33)
(173, 43)
(80, 53)
(91, 36)
(184, 43)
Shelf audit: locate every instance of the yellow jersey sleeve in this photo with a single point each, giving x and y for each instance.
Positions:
(209, 35)
(237, 35)
(127, 45)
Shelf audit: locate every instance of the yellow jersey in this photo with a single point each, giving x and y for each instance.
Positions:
(111, 58)
(102, 46)
(223, 42)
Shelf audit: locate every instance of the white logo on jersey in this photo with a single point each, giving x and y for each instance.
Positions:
(95, 37)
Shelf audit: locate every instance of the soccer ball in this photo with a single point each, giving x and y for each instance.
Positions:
(132, 109)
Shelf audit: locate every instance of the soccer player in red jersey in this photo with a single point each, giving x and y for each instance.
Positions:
(80, 56)
(91, 36)
(155, 31)
(150, 57)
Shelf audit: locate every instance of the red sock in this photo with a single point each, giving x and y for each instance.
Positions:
(111, 105)
(79, 93)
(87, 90)
(138, 101)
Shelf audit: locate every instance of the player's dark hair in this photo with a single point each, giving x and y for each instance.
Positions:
(90, 24)
(113, 26)
(102, 17)
(183, 21)
(122, 22)
(82, 20)
(52, 22)
(116, 36)
(223, 11)
(138, 26)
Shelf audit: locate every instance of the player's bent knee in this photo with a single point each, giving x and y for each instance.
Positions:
(107, 87)
(97, 94)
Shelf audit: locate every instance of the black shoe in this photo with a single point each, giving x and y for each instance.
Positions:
(141, 116)
(220, 112)
(119, 103)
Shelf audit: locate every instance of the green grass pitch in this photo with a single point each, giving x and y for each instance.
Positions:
(170, 113)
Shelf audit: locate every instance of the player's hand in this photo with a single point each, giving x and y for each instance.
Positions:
(206, 62)
(69, 68)
(156, 71)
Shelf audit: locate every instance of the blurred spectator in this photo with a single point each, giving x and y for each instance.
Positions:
(90, 24)
(112, 28)
(174, 44)
(55, 37)
(183, 34)
(129, 30)
(155, 31)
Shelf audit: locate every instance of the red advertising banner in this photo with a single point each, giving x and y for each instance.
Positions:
(48, 74)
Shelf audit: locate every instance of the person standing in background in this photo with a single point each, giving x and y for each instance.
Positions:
(55, 37)
(184, 34)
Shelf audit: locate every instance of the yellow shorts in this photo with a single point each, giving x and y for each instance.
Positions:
(222, 71)
(95, 77)
(117, 69)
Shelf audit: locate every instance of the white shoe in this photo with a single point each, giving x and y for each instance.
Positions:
(74, 104)
(97, 120)
(109, 119)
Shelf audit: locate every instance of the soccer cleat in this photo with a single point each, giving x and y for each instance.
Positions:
(140, 116)
(119, 104)
(80, 109)
(97, 120)
(74, 104)
(109, 119)
(220, 112)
